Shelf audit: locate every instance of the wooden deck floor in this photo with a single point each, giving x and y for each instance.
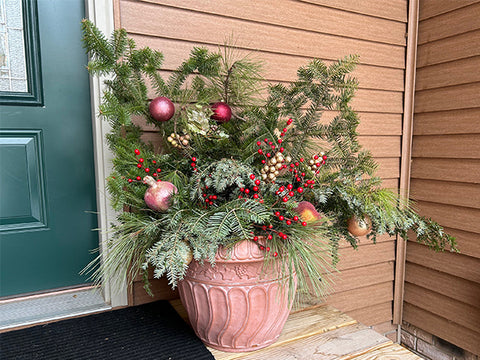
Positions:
(322, 332)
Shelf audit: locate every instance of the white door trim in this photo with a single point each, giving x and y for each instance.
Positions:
(100, 12)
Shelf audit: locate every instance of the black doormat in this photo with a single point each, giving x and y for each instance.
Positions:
(151, 331)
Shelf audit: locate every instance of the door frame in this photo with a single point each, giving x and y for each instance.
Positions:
(101, 13)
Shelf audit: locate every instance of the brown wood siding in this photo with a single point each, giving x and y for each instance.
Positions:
(287, 34)
(442, 291)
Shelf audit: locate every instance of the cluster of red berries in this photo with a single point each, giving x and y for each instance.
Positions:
(289, 221)
(270, 143)
(143, 165)
(269, 237)
(254, 192)
(316, 162)
(209, 198)
(194, 163)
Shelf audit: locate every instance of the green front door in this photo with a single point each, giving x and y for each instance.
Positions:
(47, 183)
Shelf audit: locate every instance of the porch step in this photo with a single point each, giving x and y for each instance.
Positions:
(19, 313)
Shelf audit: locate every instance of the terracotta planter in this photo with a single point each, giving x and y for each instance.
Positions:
(237, 305)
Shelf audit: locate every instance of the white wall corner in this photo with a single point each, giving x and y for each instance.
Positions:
(100, 12)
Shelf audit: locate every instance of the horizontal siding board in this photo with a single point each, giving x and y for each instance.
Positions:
(462, 290)
(378, 101)
(461, 170)
(457, 72)
(200, 27)
(379, 124)
(428, 9)
(444, 306)
(370, 123)
(354, 299)
(465, 146)
(381, 146)
(299, 16)
(446, 192)
(455, 217)
(152, 138)
(362, 277)
(364, 241)
(366, 255)
(390, 183)
(395, 10)
(277, 67)
(443, 328)
(468, 242)
(449, 98)
(453, 23)
(159, 287)
(449, 49)
(459, 265)
(373, 314)
(465, 121)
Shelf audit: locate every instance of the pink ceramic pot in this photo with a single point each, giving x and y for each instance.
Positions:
(238, 305)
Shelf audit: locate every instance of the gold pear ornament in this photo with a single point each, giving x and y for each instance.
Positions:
(359, 226)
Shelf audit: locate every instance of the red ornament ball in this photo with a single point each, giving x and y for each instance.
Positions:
(221, 112)
(161, 108)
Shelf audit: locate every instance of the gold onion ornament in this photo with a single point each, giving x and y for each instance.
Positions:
(178, 141)
(274, 165)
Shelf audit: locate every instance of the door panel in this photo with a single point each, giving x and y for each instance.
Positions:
(21, 179)
(47, 182)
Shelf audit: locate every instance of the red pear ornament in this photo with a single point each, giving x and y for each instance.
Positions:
(161, 108)
(221, 112)
(359, 226)
(159, 193)
(307, 212)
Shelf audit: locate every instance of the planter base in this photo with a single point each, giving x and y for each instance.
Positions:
(236, 306)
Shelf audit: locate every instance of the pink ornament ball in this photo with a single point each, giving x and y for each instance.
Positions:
(161, 108)
(159, 193)
(221, 112)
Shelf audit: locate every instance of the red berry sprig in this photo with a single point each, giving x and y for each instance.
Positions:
(143, 164)
(194, 163)
(262, 247)
(288, 221)
(316, 162)
(254, 192)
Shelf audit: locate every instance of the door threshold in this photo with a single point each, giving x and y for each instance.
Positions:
(37, 309)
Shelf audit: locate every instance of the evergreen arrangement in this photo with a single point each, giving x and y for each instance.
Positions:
(239, 160)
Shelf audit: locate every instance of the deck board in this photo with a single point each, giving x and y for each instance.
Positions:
(329, 345)
(320, 332)
(301, 325)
